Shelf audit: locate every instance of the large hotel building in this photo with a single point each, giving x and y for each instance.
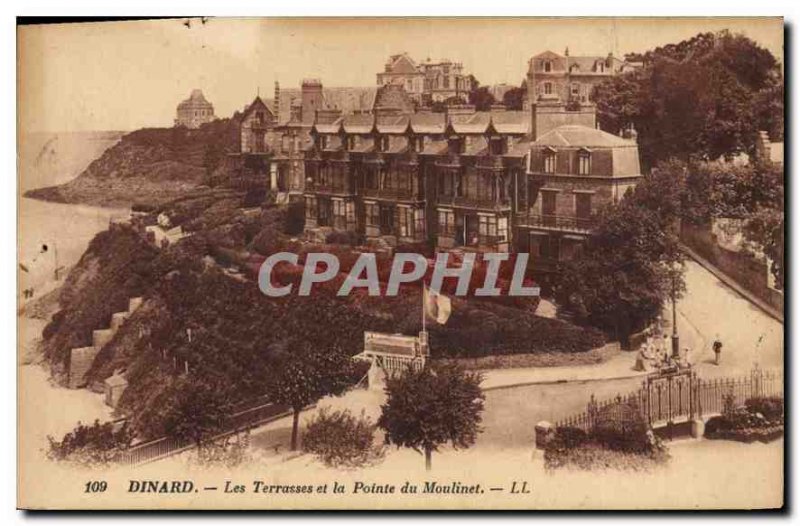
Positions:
(391, 175)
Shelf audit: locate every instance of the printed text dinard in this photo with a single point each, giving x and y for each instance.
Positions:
(406, 268)
(335, 487)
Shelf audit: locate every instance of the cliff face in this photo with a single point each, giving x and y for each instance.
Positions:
(151, 166)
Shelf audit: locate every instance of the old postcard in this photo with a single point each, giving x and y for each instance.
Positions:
(400, 264)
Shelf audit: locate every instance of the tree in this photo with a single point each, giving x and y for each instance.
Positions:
(628, 269)
(308, 372)
(702, 98)
(430, 407)
(512, 99)
(481, 98)
(199, 411)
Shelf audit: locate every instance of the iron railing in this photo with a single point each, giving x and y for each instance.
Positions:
(556, 222)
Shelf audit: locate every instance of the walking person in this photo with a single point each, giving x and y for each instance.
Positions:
(717, 346)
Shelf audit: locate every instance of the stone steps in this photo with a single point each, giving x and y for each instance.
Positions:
(81, 358)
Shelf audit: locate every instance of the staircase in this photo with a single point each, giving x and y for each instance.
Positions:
(81, 358)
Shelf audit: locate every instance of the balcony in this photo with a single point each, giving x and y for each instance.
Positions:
(452, 160)
(493, 162)
(556, 223)
(484, 203)
(394, 194)
(334, 189)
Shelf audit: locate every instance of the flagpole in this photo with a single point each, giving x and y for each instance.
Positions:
(423, 307)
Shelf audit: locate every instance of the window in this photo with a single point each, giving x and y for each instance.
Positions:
(351, 142)
(487, 229)
(549, 162)
(497, 146)
(584, 162)
(547, 66)
(285, 143)
(548, 207)
(419, 221)
(502, 229)
(405, 228)
(548, 88)
(311, 207)
(583, 206)
(371, 214)
(575, 89)
(419, 144)
(456, 145)
(384, 143)
(447, 224)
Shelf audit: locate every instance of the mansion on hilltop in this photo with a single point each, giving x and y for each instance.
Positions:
(370, 162)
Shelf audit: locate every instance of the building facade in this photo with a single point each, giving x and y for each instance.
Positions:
(426, 82)
(275, 133)
(194, 111)
(572, 172)
(475, 181)
(554, 77)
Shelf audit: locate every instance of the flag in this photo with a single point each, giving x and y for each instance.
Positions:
(437, 306)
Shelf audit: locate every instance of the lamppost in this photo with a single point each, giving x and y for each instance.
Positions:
(676, 353)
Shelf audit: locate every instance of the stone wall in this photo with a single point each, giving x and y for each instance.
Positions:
(749, 272)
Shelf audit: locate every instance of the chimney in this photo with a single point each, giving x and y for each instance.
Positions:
(534, 136)
(276, 102)
(566, 51)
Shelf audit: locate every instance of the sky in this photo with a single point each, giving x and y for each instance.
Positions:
(128, 75)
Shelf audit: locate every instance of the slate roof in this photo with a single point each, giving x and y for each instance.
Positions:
(332, 128)
(435, 147)
(473, 123)
(581, 136)
(511, 122)
(428, 123)
(392, 123)
(359, 124)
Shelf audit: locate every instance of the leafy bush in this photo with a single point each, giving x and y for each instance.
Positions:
(569, 437)
(769, 406)
(229, 451)
(339, 439)
(619, 439)
(342, 238)
(95, 445)
(761, 418)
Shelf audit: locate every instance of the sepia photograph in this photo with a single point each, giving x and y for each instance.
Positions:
(402, 264)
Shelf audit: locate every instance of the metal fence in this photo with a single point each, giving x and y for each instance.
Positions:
(673, 397)
(245, 415)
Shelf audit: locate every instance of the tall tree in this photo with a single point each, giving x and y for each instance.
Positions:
(307, 372)
(699, 99)
(512, 99)
(430, 407)
(481, 98)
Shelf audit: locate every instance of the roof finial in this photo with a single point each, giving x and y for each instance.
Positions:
(566, 52)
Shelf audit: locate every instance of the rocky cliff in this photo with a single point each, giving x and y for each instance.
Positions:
(150, 166)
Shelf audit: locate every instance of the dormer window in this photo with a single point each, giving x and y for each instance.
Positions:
(456, 145)
(419, 144)
(584, 162)
(549, 161)
(352, 142)
(324, 143)
(384, 143)
(497, 146)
